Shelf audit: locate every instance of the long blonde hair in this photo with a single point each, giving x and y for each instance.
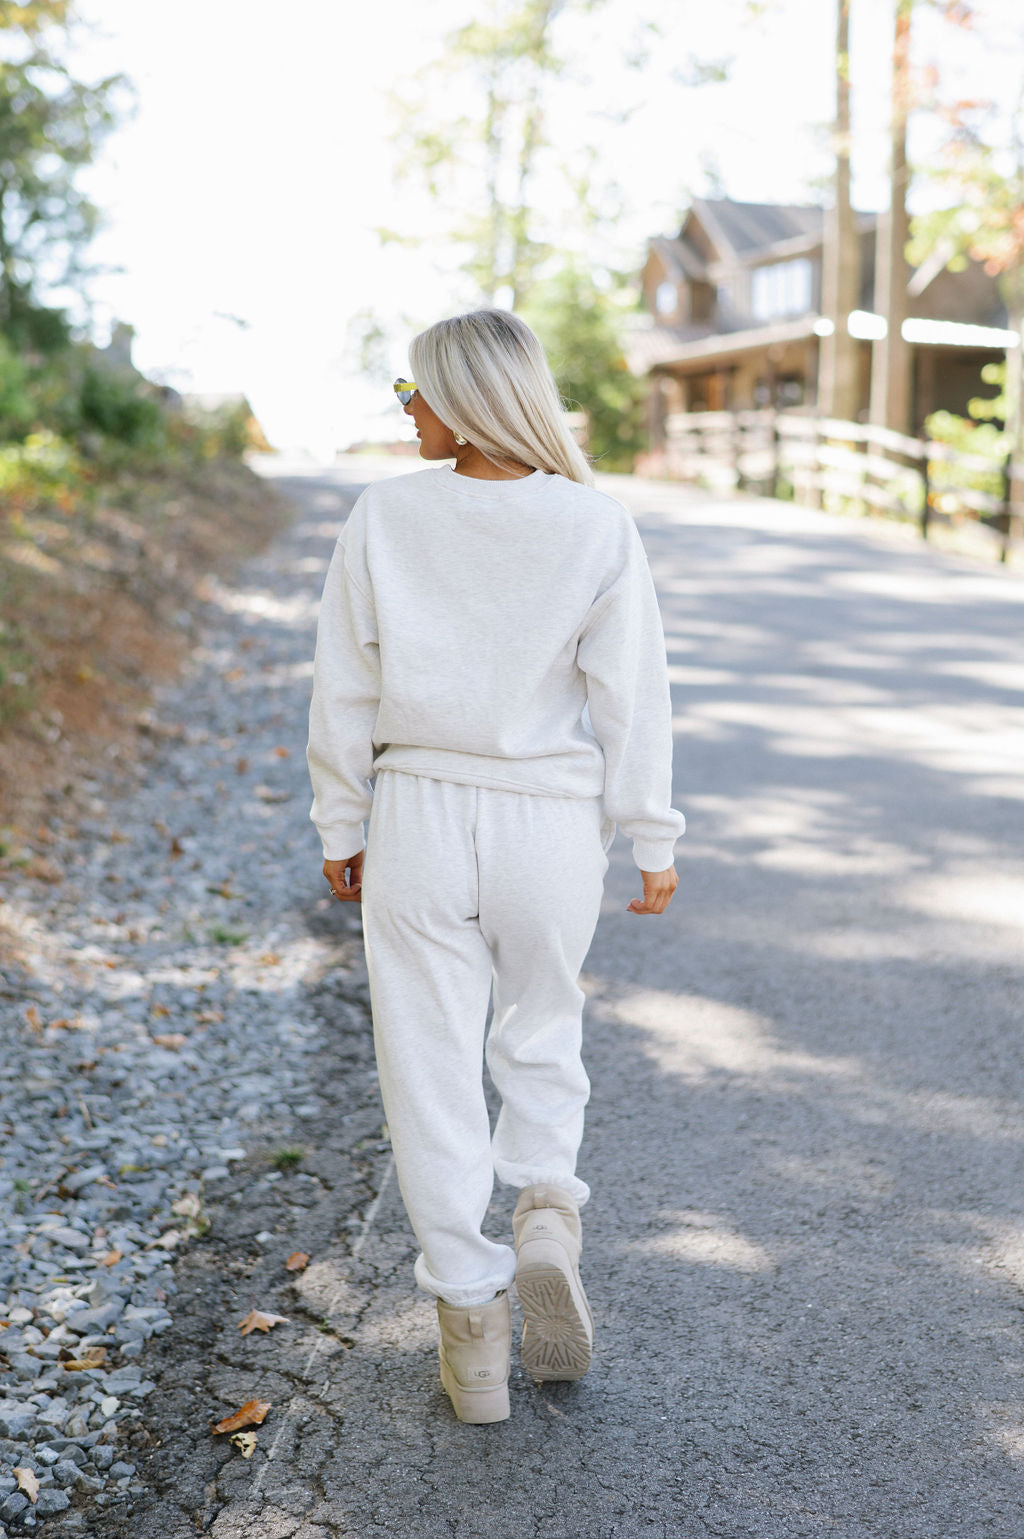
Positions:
(485, 375)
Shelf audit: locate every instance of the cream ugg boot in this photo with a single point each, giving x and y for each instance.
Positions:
(558, 1328)
(475, 1344)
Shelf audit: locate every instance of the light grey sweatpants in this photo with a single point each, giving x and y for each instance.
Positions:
(465, 887)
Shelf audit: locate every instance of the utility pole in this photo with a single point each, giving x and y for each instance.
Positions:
(839, 353)
(890, 355)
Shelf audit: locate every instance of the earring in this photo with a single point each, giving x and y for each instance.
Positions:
(460, 440)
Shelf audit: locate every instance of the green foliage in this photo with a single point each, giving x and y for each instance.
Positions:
(16, 406)
(115, 406)
(225, 937)
(991, 408)
(50, 128)
(581, 324)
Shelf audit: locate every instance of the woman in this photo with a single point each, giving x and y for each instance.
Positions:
(489, 646)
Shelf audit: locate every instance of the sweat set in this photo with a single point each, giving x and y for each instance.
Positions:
(491, 652)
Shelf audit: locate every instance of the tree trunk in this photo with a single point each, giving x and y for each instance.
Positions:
(839, 367)
(1012, 285)
(890, 355)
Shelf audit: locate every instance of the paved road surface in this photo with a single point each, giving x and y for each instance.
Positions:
(805, 1249)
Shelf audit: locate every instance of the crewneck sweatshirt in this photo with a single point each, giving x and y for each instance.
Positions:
(493, 633)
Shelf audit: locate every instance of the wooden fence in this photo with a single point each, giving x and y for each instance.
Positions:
(825, 463)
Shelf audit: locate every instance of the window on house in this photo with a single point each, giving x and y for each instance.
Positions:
(782, 289)
(666, 299)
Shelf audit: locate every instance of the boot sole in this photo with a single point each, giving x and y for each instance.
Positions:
(476, 1406)
(557, 1325)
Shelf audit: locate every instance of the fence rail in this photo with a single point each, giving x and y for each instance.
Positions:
(824, 462)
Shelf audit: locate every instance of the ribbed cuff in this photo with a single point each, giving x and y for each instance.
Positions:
(653, 854)
(342, 840)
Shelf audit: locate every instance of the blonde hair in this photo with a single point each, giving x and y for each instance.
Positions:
(485, 375)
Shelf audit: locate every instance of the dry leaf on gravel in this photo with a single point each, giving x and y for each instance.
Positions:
(245, 1442)
(94, 1358)
(251, 1414)
(297, 1261)
(169, 1039)
(112, 1257)
(188, 1205)
(167, 1241)
(27, 1481)
(257, 1320)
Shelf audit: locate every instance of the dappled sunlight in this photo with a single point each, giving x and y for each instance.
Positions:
(299, 609)
(699, 678)
(410, 1322)
(926, 585)
(696, 1038)
(978, 897)
(705, 1239)
(959, 738)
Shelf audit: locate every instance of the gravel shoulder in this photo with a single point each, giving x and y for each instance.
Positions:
(804, 1248)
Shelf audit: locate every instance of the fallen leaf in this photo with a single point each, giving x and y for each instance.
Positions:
(167, 1241)
(159, 1010)
(187, 1206)
(268, 794)
(33, 1018)
(270, 958)
(27, 1481)
(297, 1261)
(209, 1017)
(251, 1414)
(43, 870)
(245, 1442)
(112, 1257)
(93, 1357)
(257, 1320)
(173, 1039)
(282, 752)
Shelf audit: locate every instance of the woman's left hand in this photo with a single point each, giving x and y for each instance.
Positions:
(350, 890)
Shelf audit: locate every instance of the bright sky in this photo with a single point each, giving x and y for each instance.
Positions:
(249, 181)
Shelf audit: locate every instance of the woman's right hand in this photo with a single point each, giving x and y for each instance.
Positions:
(658, 889)
(350, 890)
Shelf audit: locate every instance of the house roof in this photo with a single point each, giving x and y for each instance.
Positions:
(743, 228)
(680, 259)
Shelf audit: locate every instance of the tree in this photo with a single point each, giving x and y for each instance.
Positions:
(580, 322)
(839, 369)
(50, 128)
(982, 169)
(890, 355)
(485, 160)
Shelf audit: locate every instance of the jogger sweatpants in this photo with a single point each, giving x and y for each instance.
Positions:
(466, 888)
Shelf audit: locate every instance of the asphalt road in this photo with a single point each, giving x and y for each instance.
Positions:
(805, 1248)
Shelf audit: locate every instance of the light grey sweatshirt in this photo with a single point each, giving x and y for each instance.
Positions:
(495, 633)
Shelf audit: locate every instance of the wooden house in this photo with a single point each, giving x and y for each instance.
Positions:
(734, 316)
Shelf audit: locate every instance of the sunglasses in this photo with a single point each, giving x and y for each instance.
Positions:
(405, 390)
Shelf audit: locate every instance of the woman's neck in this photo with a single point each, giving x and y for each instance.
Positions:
(470, 462)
